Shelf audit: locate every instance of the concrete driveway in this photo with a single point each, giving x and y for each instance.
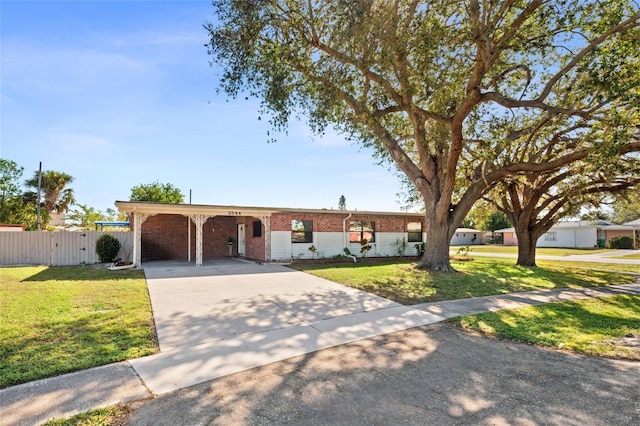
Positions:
(227, 298)
(230, 315)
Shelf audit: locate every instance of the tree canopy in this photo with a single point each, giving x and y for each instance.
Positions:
(342, 203)
(485, 216)
(10, 175)
(451, 92)
(14, 209)
(55, 194)
(157, 192)
(626, 207)
(85, 217)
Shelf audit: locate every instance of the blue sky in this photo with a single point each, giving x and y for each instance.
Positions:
(120, 93)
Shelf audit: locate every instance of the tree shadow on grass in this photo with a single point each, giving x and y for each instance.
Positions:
(588, 327)
(475, 279)
(83, 273)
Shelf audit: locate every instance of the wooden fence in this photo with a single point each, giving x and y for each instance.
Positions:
(55, 248)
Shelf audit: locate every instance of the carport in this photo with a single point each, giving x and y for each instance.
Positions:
(197, 216)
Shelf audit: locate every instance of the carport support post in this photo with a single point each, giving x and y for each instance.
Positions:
(267, 238)
(199, 220)
(138, 219)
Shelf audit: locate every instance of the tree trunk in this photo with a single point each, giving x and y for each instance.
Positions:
(436, 253)
(526, 248)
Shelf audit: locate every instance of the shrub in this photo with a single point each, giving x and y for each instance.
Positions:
(621, 242)
(107, 248)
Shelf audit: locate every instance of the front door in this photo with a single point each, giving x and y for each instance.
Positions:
(241, 250)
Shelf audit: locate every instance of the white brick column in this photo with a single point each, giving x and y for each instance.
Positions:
(199, 220)
(267, 238)
(138, 219)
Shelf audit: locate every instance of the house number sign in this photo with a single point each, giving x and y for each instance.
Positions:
(232, 213)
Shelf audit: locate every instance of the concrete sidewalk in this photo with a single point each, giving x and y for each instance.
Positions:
(36, 402)
(607, 257)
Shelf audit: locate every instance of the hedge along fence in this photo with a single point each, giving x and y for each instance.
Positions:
(58, 248)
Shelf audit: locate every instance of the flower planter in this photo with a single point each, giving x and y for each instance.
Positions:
(120, 266)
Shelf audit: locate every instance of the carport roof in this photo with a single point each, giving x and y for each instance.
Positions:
(217, 210)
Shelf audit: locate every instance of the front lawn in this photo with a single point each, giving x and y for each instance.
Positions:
(483, 276)
(607, 327)
(55, 320)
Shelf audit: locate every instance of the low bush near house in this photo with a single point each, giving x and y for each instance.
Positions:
(107, 248)
(621, 242)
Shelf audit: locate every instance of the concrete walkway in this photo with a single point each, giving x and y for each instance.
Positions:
(270, 313)
(603, 257)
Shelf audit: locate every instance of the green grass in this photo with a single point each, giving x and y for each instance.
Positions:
(593, 326)
(55, 320)
(541, 251)
(99, 417)
(483, 276)
(628, 256)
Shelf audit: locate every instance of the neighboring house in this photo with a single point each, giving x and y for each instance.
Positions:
(635, 224)
(574, 234)
(466, 237)
(5, 227)
(186, 232)
(57, 220)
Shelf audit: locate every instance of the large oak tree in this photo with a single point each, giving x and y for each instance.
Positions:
(416, 81)
(534, 202)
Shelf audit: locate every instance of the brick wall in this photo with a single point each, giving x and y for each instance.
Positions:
(332, 222)
(612, 234)
(254, 246)
(165, 237)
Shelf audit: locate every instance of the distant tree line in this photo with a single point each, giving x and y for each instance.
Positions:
(19, 206)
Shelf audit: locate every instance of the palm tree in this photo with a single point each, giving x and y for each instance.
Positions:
(55, 196)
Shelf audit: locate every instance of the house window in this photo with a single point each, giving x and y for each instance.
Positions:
(414, 232)
(301, 231)
(257, 228)
(362, 230)
(551, 236)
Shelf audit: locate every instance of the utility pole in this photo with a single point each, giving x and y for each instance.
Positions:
(189, 232)
(38, 197)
